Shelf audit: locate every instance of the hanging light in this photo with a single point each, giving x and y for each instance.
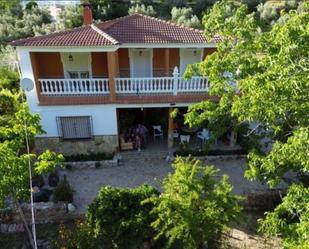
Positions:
(70, 57)
(194, 52)
(140, 53)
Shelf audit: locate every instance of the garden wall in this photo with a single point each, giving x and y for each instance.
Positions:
(98, 144)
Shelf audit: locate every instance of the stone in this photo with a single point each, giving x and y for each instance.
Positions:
(107, 144)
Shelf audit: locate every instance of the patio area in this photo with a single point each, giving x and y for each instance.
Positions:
(146, 168)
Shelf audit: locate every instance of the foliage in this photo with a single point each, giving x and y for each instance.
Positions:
(70, 17)
(80, 236)
(184, 16)
(14, 172)
(290, 219)
(271, 71)
(26, 23)
(6, 6)
(142, 9)
(32, 4)
(63, 191)
(194, 206)
(108, 9)
(88, 157)
(119, 218)
(8, 64)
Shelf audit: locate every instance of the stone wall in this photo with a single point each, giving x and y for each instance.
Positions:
(45, 212)
(97, 144)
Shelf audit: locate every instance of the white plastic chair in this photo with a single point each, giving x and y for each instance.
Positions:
(185, 138)
(157, 131)
(203, 135)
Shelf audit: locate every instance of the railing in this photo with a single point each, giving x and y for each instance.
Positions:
(74, 86)
(161, 85)
(144, 85)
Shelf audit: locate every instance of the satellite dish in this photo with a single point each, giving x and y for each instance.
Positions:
(27, 84)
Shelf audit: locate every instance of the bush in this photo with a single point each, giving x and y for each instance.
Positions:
(63, 192)
(53, 179)
(89, 157)
(79, 236)
(195, 206)
(97, 165)
(38, 181)
(118, 216)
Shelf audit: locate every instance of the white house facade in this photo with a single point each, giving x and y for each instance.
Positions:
(89, 78)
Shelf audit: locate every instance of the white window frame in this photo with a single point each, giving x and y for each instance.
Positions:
(77, 137)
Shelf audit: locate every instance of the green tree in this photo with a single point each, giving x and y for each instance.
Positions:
(108, 9)
(70, 17)
(195, 206)
(118, 217)
(24, 24)
(184, 16)
(271, 71)
(142, 9)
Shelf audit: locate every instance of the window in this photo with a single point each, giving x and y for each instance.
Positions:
(75, 127)
(78, 75)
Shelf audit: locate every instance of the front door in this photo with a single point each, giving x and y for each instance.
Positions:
(189, 56)
(141, 65)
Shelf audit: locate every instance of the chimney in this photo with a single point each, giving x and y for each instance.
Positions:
(87, 14)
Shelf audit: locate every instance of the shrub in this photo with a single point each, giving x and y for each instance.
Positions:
(97, 165)
(89, 157)
(63, 192)
(68, 166)
(79, 236)
(194, 206)
(38, 180)
(118, 216)
(53, 179)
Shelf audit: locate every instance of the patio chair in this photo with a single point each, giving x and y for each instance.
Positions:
(185, 138)
(203, 135)
(157, 131)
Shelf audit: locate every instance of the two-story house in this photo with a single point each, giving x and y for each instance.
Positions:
(87, 78)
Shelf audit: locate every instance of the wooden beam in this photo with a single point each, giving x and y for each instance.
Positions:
(112, 65)
(170, 139)
(167, 61)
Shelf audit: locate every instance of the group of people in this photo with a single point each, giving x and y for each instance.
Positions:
(137, 135)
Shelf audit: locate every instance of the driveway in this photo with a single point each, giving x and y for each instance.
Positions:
(87, 182)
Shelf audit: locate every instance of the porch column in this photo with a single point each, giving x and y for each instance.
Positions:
(112, 65)
(170, 140)
(167, 62)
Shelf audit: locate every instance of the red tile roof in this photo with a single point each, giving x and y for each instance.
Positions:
(81, 36)
(136, 28)
(145, 29)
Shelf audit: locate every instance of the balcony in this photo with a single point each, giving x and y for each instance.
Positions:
(66, 87)
(124, 86)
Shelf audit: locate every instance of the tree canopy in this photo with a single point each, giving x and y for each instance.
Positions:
(270, 70)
